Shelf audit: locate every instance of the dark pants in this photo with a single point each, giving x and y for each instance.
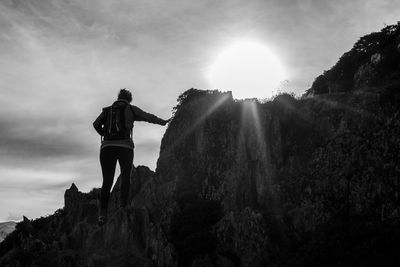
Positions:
(108, 160)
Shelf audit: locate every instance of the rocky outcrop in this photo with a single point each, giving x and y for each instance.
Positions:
(71, 237)
(262, 173)
(240, 183)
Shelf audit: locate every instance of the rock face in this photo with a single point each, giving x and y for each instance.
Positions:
(291, 182)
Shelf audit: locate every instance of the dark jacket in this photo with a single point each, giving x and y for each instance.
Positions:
(133, 114)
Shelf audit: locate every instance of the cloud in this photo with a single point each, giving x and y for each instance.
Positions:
(39, 144)
(31, 192)
(31, 204)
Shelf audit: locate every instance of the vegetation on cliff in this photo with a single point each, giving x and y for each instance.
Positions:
(372, 64)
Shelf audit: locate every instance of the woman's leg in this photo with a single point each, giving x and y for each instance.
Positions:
(108, 161)
(125, 162)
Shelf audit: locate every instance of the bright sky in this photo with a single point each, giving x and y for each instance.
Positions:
(62, 61)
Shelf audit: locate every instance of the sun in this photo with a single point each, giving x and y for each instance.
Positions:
(248, 69)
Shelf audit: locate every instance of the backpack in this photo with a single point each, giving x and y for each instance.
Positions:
(117, 124)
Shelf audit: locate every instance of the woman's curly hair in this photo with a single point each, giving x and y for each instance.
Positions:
(125, 94)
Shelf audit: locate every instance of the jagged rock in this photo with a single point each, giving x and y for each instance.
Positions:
(71, 197)
(25, 226)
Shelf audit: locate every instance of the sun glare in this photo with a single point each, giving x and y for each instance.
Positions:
(248, 69)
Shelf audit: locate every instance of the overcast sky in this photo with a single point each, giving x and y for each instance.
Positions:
(61, 61)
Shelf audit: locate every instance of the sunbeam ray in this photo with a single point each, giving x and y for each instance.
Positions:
(251, 119)
(201, 119)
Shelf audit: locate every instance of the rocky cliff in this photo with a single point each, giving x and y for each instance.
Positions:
(290, 182)
(240, 183)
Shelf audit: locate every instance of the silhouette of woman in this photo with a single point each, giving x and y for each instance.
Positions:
(115, 125)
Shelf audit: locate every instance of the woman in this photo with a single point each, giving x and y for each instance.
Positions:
(115, 124)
